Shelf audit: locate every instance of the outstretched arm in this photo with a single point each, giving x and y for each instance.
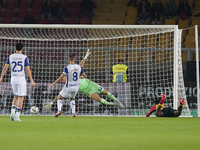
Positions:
(3, 72)
(84, 59)
(58, 80)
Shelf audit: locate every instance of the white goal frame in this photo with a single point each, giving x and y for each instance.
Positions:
(173, 27)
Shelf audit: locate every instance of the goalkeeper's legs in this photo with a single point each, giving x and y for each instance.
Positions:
(109, 95)
(96, 97)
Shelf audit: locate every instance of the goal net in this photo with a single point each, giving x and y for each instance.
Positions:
(151, 53)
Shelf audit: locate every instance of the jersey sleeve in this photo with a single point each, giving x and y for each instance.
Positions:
(26, 63)
(82, 71)
(153, 109)
(8, 61)
(65, 70)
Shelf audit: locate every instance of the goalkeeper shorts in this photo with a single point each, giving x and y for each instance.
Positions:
(94, 88)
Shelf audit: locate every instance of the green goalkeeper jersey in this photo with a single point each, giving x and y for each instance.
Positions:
(88, 87)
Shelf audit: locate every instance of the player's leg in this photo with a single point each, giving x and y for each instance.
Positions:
(19, 90)
(19, 107)
(97, 89)
(59, 105)
(72, 100)
(109, 95)
(96, 97)
(180, 107)
(73, 106)
(13, 108)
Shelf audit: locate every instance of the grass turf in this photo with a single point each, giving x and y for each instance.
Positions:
(95, 133)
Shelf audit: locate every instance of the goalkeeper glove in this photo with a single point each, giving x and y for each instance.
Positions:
(163, 99)
(87, 54)
(47, 106)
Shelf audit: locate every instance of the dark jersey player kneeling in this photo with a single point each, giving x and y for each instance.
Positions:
(163, 111)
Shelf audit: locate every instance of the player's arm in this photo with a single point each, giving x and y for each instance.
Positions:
(153, 109)
(58, 80)
(5, 69)
(84, 59)
(83, 75)
(28, 71)
(4, 72)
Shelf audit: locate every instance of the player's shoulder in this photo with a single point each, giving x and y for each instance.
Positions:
(18, 55)
(76, 65)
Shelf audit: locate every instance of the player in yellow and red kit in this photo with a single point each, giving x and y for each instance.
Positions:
(163, 111)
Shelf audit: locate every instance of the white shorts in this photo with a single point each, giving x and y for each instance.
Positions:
(19, 89)
(69, 92)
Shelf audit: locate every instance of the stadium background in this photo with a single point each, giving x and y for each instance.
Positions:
(114, 12)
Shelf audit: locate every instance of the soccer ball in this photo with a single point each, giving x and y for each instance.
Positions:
(34, 110)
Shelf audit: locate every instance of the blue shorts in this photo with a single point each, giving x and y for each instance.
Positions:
(168, 112)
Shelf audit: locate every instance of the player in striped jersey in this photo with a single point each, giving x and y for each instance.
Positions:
(18, 64)
(163, 111)
(71, 72)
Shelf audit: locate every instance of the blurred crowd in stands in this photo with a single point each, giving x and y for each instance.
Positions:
(46, 11)
(156, 10)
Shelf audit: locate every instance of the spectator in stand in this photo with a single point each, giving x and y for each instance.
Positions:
(1, 4)
(50, 8)
(62, 11)
(132, 2)
(184, 10)
(144, 10)
(43, 20)
(170, 9)
(86, 9)
(29, 19)
(157, 10)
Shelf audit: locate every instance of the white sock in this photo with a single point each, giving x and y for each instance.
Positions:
(59, 104)
(72, 104)
(13, 109)
(18, 112)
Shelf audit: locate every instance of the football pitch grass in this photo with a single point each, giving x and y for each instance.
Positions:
(99, 133)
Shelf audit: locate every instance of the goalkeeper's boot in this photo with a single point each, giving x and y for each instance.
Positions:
(181, 101)
(58, 114)
(12, 117)
(120, 105)
(117, 103)
(73, 115)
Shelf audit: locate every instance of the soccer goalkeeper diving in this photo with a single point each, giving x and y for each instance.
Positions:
(88, 88)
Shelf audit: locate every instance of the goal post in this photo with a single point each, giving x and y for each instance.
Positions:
(151, 53)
